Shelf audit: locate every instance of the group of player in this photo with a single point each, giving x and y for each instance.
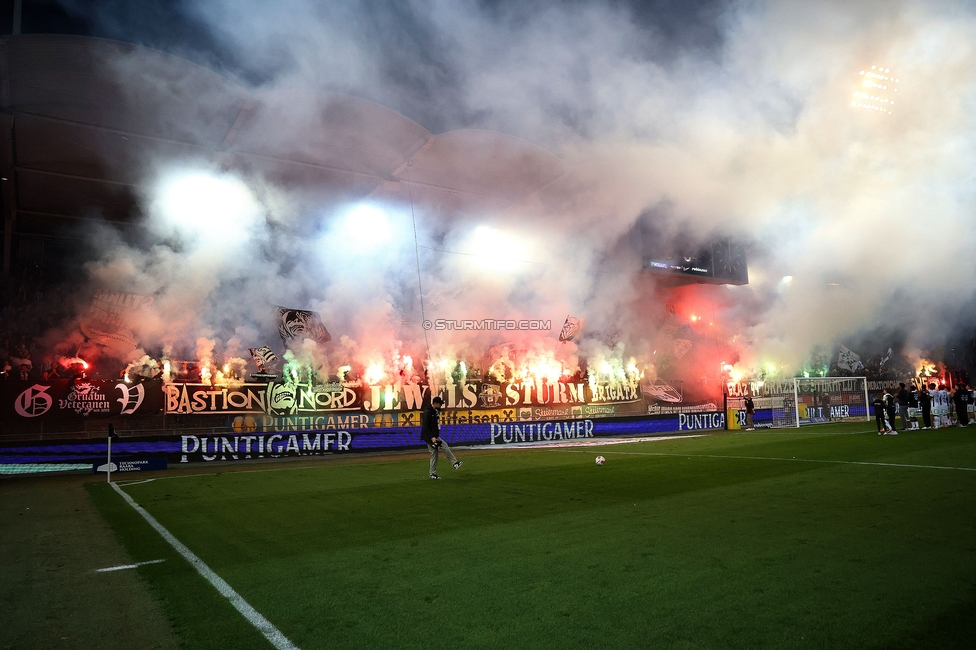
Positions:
(939, 407)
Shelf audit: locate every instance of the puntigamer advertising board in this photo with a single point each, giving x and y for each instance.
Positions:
(232, 446)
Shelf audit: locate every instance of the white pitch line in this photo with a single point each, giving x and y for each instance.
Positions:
(790, 460)
(127, 566)
(254, 617)
(793, 432)
(148, 480)
(164, 478)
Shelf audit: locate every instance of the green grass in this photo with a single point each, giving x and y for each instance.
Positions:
(670, 544)
(52, 539)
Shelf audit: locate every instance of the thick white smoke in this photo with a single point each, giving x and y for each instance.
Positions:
(751, 134)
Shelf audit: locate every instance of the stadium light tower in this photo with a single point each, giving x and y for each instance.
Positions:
(877, 90)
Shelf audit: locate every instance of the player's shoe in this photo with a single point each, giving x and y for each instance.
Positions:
(435, 477)
(458, 464)
(892, 433)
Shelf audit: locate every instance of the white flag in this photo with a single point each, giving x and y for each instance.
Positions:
(886, 358)
(848, 360)
(571, 328)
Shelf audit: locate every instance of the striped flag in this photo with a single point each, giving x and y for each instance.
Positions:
(263, 356)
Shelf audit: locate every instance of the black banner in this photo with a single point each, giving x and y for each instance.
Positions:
(27, 401)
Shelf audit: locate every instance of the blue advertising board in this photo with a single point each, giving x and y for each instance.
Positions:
(238, 446)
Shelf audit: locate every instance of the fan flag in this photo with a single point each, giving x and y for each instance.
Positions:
(571, 328)
(886, 358)
(107, 321)
(263, 356)
(299, 324)
(681, 347)
(848, 360)
(660, 390)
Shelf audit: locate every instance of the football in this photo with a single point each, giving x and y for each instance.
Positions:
(600, 460)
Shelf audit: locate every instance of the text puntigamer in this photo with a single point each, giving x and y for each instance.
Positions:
(540, 431)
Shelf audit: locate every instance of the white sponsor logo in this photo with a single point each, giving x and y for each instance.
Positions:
(691, 422)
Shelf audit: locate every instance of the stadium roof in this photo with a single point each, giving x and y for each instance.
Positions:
(81, 118)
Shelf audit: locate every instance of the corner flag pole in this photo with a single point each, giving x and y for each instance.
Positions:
(108, 465)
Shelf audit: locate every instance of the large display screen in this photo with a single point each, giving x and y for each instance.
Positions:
(721, 262)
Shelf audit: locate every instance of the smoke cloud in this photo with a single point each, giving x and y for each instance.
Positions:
(728, 119)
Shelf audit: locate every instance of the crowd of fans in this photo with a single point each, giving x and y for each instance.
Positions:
(28, 309)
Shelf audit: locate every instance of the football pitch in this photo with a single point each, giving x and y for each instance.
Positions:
(825, 537)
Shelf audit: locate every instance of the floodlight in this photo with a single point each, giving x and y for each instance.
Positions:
(365, 225)
(876, 100)
(501, 245)
(206, 208)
